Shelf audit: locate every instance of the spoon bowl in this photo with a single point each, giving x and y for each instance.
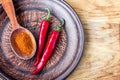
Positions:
(15, 48)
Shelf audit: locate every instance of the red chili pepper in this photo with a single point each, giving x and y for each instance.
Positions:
(48, 49)
(42, 36)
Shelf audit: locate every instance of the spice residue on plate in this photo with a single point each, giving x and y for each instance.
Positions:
(24, 43)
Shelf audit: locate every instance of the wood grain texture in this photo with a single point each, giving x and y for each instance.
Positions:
(101, 23)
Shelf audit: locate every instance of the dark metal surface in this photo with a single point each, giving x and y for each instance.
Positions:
(74, 32)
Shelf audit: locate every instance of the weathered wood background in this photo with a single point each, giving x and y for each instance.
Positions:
(101, 23)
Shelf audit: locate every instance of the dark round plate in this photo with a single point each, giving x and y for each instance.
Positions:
(68, 50)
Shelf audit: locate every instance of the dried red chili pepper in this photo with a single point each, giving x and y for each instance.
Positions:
(42, 36)
(48, 49)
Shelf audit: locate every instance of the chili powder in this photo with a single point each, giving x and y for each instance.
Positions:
(24, 43)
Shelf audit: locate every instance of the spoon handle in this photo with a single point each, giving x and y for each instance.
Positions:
(9, 9)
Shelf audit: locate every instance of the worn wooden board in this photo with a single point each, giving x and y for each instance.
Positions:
(69, 46)
(101, 22)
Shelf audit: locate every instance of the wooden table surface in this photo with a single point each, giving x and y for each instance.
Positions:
(101, 23)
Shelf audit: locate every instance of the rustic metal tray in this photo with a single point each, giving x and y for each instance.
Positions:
(68, 49)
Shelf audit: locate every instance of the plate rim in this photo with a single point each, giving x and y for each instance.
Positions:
(66, 74)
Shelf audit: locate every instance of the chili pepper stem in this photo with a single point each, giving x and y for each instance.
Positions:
(48, 16)
(59, 28)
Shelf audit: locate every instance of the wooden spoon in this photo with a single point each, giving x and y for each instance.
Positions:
(9, 9)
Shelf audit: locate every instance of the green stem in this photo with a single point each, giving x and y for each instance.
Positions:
(48, 16)
(59, 28)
